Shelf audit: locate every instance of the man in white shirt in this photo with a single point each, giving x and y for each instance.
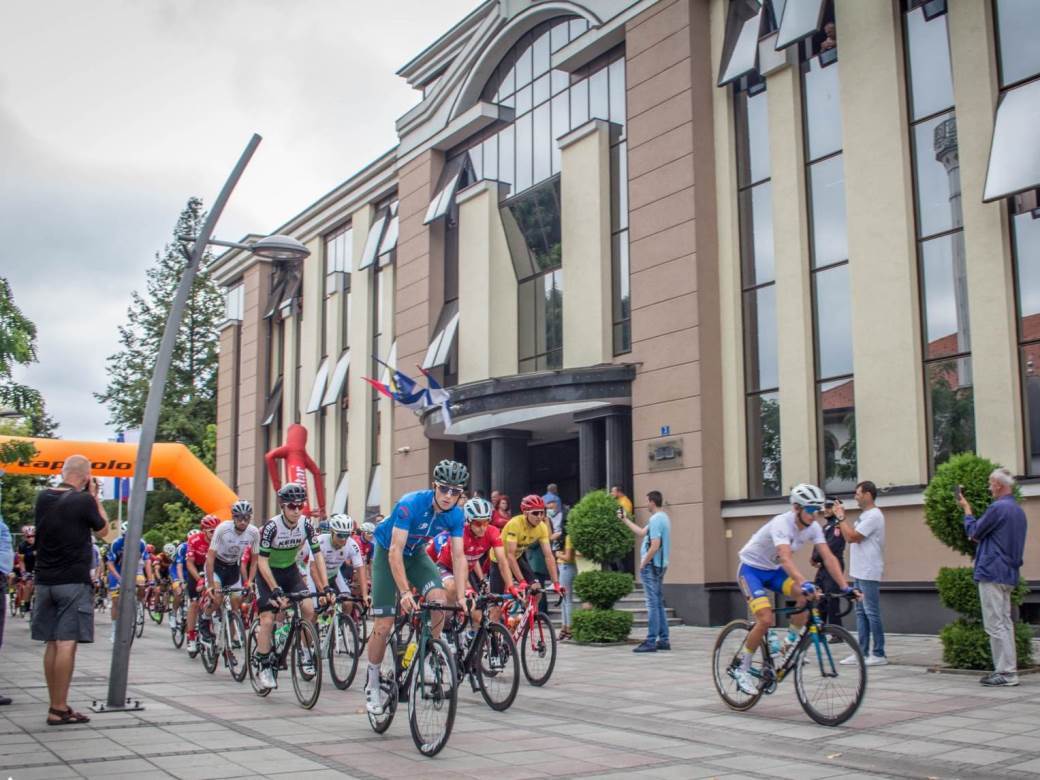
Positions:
(866, 538)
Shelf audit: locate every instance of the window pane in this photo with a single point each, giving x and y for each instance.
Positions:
(623, 337)
(617, 91)
(931, 81)
(756, 234)
(837, 404)
(540, 90)
(833, 322)
(534, 242)
(543, 143)
(799, 19)
(491, 158)
(830, 234)
(752, 137)
(528, 292)
(599, 97)
(623, 184)
(540, 60)
(951, 403)
(763, 445)
(579, 103)
(945, 296)
(822, 109)
(560, 81)
(621, 282)
(760, 339)
(524, 151)
(1027, 261)
(508, 85)
(937, 175)
(560, 125)
(1014, 158)
(578, 26)
(554, 311)
(523, 100)
(476, 159)
(559, 36)
(1018, 26)
(506, 151)
(523, 68)
(1031, 401)
(740, 47)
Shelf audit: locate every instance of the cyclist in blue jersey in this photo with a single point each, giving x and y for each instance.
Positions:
(115, 564)
(400, 562)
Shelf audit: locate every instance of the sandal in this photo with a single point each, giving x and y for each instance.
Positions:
(66, 717)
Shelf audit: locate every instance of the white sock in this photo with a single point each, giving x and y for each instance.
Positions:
(373, 676)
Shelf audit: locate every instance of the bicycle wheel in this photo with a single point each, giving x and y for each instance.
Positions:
(180, 617)
(344, 651)
(538, 650)
(432, 698)
(726, 659)
(208, 654)
(155, 607)
(139, 620)
(498, 668)
(235, 647)
(388, 687)
(12, 603)
(305, 661)
(830, 692)
(253, 665)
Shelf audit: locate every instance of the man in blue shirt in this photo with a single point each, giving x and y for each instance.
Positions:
(400, 562)
(1001, 538)
(653, 563)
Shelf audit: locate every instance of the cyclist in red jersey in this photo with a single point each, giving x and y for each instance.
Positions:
(195, 559)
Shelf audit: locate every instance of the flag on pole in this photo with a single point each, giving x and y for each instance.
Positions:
(438, 396)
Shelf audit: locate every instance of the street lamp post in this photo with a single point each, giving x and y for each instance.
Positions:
(276, 247)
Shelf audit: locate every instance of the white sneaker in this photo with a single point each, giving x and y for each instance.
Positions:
(171, 621)
(193, 645)
(851, 660)
(267, 679)
(875, 660)
(746, 681)
(374, 701)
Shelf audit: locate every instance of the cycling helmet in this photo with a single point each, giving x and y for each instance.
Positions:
(292, 493)
(123, 527)
(193, 533)
(531, 502)
(170, 549)
(477, 509)
(28, 530)
(368, 528)
(241, 508)
(150, 549)
(209, 522)
(341, 524)
(451, 472)
(807, 495)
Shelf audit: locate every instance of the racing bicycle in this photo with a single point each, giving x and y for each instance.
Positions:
(295, 646)
(486, 656)
(224, 636)
(534, 635)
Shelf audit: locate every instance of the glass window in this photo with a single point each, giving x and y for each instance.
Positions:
(822, 108)
(753, 146)
(833, 321)
(837, 404)
(578, 26)
(540, 51)
(338, 381)
(1027, 262)
(579, 103)
(339, 250)
(234, 302)
(1018, 28)
(523, 100)
(523, 68)
(506, 155)
(559, 36)
(622, 306)
(760, 338)
(490, 155)
(937, 175)
(1031, 404)
(763, 444)
(560, 81)
(829, 228)
(540, 90)
(560, 127)
(533, 230)
(945, 296)
(524, 152)
(756, 233)
(740, 48)
(318, 387)
(1014, 158)
(599, 95)
(951, 408)
(543, 142)
(799, 19)
(928, 50)
(617, 91)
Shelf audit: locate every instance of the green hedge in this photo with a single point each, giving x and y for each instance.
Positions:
(966, 645)
(595, 530)
(959, 591)
(603, 589)
(601, 625)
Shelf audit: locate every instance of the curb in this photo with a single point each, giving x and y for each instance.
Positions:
(975, 672)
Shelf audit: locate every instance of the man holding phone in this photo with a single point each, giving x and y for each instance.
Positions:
(866, 538)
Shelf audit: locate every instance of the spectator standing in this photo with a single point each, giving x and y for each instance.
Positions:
(552, 496)
(64, 614)
(866, 568)
(626, 503)
(568, 568)
(501, 515)
(1001, 538)
(830, 608)
(6, 564)
(653, 563)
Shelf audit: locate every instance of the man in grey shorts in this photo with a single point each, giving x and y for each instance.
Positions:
(64, 612)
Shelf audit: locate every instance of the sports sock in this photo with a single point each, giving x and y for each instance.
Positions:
(373, 676)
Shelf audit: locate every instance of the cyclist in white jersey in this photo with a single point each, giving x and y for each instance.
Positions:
(224, 559)
(341, 551)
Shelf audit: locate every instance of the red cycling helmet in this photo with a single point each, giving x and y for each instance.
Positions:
(531, 502)
(209, 522)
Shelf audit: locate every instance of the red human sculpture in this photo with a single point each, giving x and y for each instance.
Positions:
(297, 464)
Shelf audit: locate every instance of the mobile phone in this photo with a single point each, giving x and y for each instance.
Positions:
(958, 492)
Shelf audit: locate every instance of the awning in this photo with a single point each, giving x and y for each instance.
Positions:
(318, 388)
(339, 500)
(374, 499)
(274, 403)
(444, 335)
(447, 186)
(1014, 155)
(740, 50)
(801, 18)
(388, 246)
(391, 360)
(375, 237)
(339, 377)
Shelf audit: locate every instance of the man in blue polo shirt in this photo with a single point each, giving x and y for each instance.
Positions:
(653, 563)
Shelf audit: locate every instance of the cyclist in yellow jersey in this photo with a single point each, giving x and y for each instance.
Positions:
(518, 535)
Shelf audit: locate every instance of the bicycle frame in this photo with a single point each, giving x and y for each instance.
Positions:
(810, 634)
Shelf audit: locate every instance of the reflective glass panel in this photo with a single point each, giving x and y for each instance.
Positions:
(523, 68)
(928, 47)
(506, 154)
(535, 243)
(621, 281)
(752, 137)
(579, 103)
(554, 311)
(1014, 158)
(523, 100)
(540, 89)
(937, 175)
(756, 234)
(800, 18)
(760, 339)
(951, 408)
(1018, 27)
(561, 123)
(833, 322)
(741, 45)
(945, 296)
(599, 95)
(617, 91)
(524, 151)
(1027, 261)
(830, 234)
(560, 81)
(837, 410)
(559, 36)
(540, 50)
(763, 445)
(1031, 402)
(490, 154)
(578, 26)
(527, 318)
(822, 109)
(543, 143)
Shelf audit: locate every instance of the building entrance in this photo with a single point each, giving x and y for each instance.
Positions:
(555, 462)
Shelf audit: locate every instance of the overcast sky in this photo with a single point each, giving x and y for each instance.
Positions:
(114, 112)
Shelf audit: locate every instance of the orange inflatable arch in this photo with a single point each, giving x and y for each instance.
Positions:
(172, 462)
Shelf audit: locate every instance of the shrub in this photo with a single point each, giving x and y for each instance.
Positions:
(602, 589)
(966, 645)
(155, 537)
(959, 591)
(601, 625)
(595, 530)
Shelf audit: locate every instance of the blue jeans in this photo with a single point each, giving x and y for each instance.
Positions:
(568, 571)
(652, 577)
(868, 618)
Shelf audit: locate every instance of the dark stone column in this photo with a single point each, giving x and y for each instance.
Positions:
(479, 456)
(591, 452)
(619, 449)
(508, 471)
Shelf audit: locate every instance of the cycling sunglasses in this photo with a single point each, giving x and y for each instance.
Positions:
(536, 512)
(342, 536)
(294, 507)
(449, 490)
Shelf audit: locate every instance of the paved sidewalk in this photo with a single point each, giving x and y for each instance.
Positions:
(605, 713)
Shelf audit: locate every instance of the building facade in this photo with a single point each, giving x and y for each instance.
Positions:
(709, 247)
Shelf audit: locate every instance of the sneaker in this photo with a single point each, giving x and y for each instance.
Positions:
(664, 644)
(645, 647)
(875, 660)
(997, 680)
(266, 678)
(850, 660)
(193, 646)
(171, 621)
(745, 681)
(374, 701)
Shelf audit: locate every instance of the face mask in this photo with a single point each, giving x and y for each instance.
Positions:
(551, 513)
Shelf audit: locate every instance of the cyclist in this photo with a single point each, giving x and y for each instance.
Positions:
(224, 557)
(343, 556)
(766, 564)
(174, 573)
(280, 541)
(195, 563)
(25, 564)
(518, 535)
(400, 561)
(478, 539)
(115, 564)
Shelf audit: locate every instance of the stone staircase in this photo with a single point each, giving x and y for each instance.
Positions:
(634, 602)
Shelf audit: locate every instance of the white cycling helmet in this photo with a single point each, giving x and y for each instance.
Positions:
(170, 549)
(477, 509)
(807, 495)
(341, 524)
(124, 526)
(368, 528)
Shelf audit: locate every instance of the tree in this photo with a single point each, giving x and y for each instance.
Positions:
(17, 348)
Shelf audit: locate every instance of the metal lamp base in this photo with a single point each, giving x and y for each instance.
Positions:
(131, 705)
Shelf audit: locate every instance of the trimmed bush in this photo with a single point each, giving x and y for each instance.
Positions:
(595, 530)
(603, 589)
(601, 625)
(966, 645)
(959, 591)
(155, 537)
